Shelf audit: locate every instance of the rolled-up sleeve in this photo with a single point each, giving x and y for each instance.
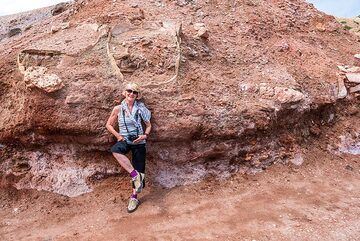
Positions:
(144, 112)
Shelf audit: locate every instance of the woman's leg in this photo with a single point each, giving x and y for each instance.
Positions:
(124, 162)
(138, 159)
(119, 150)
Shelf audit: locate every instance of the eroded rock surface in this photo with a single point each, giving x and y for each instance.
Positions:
(37, 76)
(229, 92)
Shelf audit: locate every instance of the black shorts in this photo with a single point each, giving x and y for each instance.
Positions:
(138, 153)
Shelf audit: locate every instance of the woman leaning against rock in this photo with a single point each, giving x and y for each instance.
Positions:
(131, 138)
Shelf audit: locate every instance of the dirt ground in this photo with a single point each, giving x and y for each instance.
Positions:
(319, 200)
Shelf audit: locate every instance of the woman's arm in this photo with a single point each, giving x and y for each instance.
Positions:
(111, 121)
(148, 128)
(145, 116)
(147, 132)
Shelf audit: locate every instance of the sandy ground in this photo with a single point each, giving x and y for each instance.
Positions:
(319, 200)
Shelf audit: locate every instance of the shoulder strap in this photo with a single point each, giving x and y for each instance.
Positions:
(136, 114)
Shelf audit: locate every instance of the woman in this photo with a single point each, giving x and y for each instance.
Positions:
(131, 138)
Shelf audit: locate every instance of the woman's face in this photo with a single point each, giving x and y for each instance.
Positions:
(131, 95)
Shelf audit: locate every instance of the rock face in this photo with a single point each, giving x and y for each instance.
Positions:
(235, 91)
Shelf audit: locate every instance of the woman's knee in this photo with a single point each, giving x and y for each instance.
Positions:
(120, 147)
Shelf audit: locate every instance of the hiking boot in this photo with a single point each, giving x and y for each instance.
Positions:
(133, 205)
(137, 182)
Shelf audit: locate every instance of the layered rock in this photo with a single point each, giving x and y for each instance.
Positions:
(232, 87)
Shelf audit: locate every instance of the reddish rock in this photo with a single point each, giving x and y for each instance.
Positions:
(255, 78)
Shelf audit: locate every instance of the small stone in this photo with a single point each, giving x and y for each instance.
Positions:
(202, 30)
(198, 26)
(54, 29)
(28, 27)
(65, 25)
(331, 118)
(342, 92)
(288, 96)
(203, 33)
(320, 27)
(59, 8)
(354, 89)
(353, 77)
(134, 5)
(182, 3)
(349, 168)
(357, 59)
(283, 46)
(13, 32)
(348, 69)
(297, 160)
(342, 68)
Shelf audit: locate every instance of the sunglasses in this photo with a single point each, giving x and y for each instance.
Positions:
(132, 91)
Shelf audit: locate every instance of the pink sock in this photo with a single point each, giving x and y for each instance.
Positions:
(134, 173)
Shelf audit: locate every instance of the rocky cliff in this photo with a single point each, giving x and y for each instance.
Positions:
(233, 86)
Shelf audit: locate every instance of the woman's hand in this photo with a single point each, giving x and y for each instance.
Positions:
(119, 138)
(140, 138)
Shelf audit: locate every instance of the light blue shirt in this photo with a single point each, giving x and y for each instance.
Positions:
(133, 120)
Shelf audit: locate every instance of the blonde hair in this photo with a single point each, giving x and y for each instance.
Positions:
(132, 86)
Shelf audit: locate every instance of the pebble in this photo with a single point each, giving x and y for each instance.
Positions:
(354, 89)
(353, 77)
(342, 93)
(134, 5)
